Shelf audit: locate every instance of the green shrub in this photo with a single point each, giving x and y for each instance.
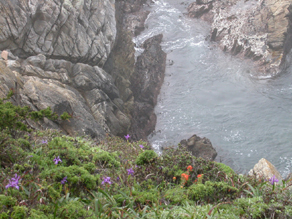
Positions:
(146, 157)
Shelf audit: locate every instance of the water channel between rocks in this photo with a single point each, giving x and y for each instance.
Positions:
(215, 95)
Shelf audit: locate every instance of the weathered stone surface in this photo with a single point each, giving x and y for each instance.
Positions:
(60, 53)
(146, 84)
(196, 10)
(200, 147)
(265, 169)
(78, 31)
(257, 30)
(84, 91)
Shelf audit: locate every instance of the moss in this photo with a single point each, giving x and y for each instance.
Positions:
(107, 159)
(226, 169)
(74, 210)
(176, 195)
(8, 201)
(19, 212)
(76, 176)
(5, 215)
(146, 197)
(146, 157)
(254, 207)
(211, 191)
(37, 214)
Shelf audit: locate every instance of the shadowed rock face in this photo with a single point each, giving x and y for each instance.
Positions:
(257, 30)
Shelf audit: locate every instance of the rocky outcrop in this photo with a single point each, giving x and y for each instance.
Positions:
(56, 50)
(200, 147)
(78, 57)
(257, 30)
(265, 169)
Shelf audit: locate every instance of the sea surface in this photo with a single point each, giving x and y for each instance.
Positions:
(206, 92)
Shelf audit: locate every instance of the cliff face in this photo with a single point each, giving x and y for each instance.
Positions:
(56, 57)
(257, 30)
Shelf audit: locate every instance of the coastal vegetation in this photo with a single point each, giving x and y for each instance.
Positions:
(46, 174)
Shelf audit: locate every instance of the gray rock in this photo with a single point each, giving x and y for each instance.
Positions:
(78, 31)
(200, 147)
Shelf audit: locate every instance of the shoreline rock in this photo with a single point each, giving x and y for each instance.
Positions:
(256, 30)
(265, 169)
(200, 147)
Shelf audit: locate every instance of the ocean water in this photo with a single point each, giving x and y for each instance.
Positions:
(212, 94)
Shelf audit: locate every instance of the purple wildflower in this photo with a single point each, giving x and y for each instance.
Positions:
(57, 159)
(127, 137)
(64, 180)
(106, 180)
(130, 171)
(13, 182)
(141, 146)
(273, 180)
(118, 178)
(44, 142)
(29, 156)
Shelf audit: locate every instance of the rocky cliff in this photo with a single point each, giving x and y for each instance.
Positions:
(60, 54)
(257, 30)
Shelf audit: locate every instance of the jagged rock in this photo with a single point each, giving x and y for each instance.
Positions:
(130, 77)
(200, 147)
(257, 30)
(78, 31)
(265, 169)
(146, 84)
(196, 10)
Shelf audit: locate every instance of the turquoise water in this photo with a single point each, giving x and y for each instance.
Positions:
(211, 94)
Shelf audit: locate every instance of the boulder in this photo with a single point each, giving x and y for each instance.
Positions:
(265, 169)
(200, 147)
(257, 30)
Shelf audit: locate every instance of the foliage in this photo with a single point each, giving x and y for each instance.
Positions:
(146, 157)
(77, 177)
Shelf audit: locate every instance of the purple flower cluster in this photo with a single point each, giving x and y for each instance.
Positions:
(106, 180)
(130, 172)
(13, 182)
(141, 146)
(57, 159)
(64, 180)
(273, 180)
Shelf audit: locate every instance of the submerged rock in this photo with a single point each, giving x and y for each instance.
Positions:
(257, 30)
(200, 147)
(265, 169)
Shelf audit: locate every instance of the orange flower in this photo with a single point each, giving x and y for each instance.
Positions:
(174, 178)
(185, 176)
(200, 175)
(189, 168)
